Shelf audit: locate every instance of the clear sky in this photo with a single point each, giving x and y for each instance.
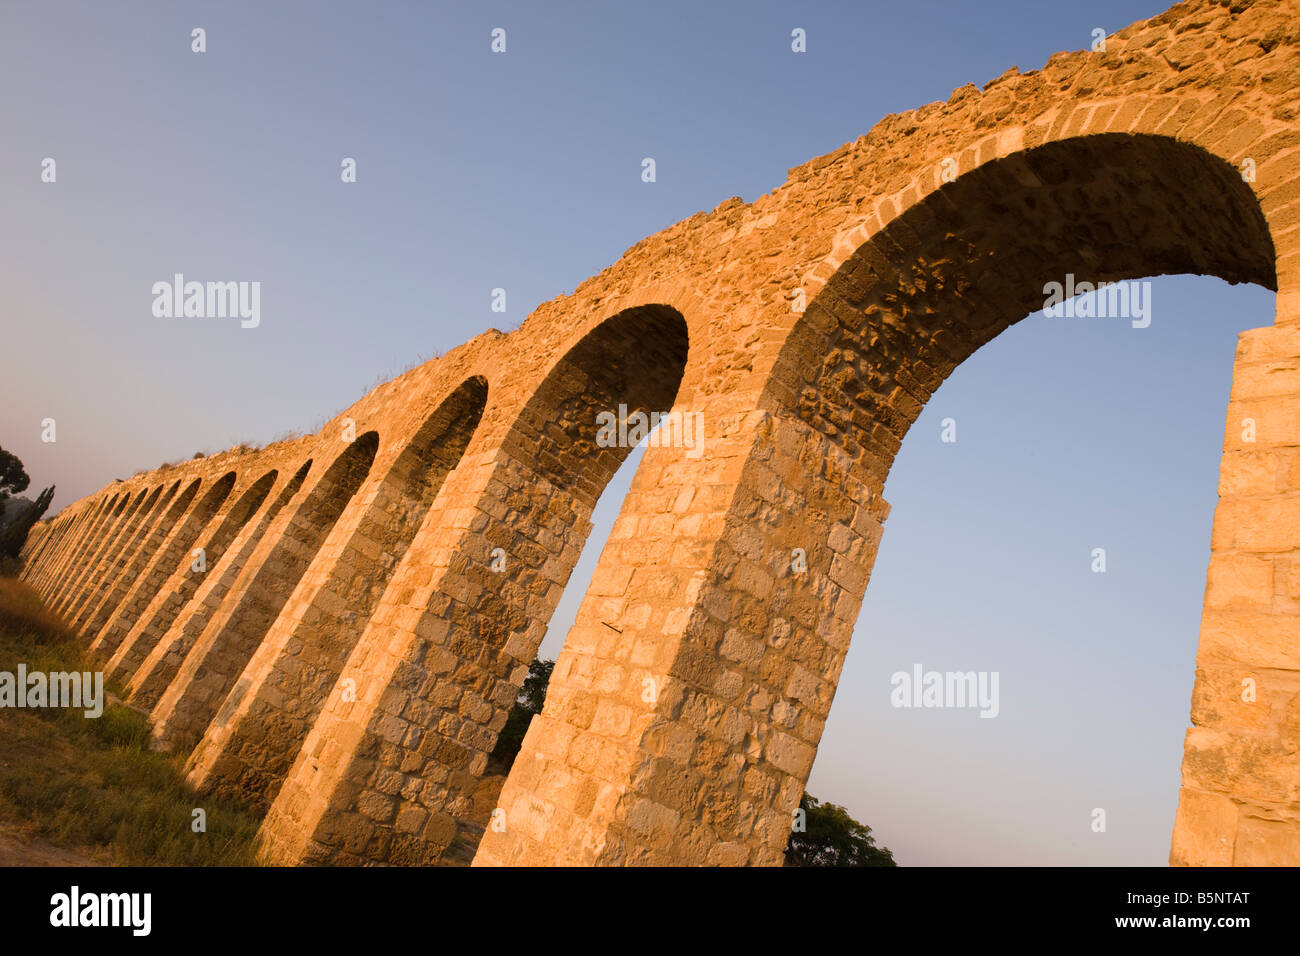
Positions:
(522, 171)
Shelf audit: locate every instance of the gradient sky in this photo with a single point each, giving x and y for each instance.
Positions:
(522, 171)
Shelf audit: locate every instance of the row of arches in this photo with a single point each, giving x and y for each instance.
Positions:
(229, 607)
(337, 638)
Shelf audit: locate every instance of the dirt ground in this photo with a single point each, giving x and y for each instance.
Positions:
(19, 849)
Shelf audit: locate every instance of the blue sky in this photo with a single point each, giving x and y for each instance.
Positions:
(522, 171)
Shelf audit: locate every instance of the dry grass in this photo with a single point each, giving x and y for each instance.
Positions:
(393, 375)
(22, 614)
(93, 785)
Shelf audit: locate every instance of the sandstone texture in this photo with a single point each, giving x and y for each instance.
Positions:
(369, 597)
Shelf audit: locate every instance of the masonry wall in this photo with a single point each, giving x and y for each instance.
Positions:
(347, 648)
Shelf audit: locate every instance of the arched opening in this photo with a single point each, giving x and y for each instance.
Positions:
(68, 527)
(111, 557)
(62, 528)
(537, 685)
(943, 279)
(97, 518)
(174, 554)
(74, 564)
(95, 559)
(449, 677)
(50, 531)
(164, 661)
(42, 536)
(129, 558)
(118, 587)
(209, 672)
(45, 535)
(588, 425)
(973, 258)
(178, 595)
(250, 747)
(986, 567)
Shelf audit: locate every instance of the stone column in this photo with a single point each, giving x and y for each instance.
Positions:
(686, 708)
(1239, 804)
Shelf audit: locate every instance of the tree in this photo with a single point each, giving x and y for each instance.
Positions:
(14, 536)
(12, 477)
(833, 838)
(527, 705)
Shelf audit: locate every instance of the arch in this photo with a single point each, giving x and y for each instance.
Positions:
(972, 258)
(54, 530)
(151, 538)
(208, 673)
(86, 563)
(635, 359)
(718, 762)
(74, 526)
(87, 544)
(95, 561)
(163, 662)
(437, 674)
(37, 538)
(173, 553)
(175, 596)
(254, 739)
(116, 551)
(941, 280)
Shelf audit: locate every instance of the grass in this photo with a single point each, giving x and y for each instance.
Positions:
(93, 785)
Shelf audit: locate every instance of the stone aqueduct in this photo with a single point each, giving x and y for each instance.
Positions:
(352, 649)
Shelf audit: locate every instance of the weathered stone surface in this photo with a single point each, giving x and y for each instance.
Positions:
(373, 593)
(1206, 831)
